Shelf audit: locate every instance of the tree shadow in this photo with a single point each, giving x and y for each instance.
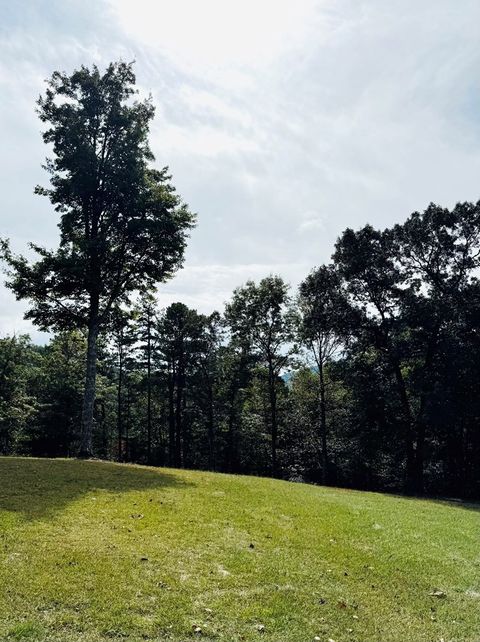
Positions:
(38, 488)
(457, 503)
(453, 502)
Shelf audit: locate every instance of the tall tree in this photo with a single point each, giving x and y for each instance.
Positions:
(235, 364)
(18, 406)
(123, 338)
(260, 316)
(322, 311)
(57, 425)
(439, 251)
(405, 287)
(145, 325)
(180, 332)
(122, 226)
(367, 262)
(206, 376)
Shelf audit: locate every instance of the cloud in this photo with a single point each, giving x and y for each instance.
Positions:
(209, 287)
(311, 222)
(214, 35)
(282, 122)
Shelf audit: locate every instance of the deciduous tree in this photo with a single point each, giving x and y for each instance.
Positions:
(261, 317)
(122, 226)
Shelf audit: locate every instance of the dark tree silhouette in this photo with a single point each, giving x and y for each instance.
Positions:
(321, 324)
(259, 315)
(122, 226)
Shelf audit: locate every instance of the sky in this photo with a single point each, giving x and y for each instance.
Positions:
(282, 121)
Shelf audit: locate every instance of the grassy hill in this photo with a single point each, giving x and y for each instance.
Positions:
(96, 551)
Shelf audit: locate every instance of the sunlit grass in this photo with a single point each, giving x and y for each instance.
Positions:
(94, 551)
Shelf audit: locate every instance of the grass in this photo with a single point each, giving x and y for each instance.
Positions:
(96, 551)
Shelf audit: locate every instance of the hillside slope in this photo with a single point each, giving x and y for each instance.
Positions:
(96, 551)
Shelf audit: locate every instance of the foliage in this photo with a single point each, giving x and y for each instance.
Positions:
(123, 228)
(260, 319)
(19, 362)
(381, 392)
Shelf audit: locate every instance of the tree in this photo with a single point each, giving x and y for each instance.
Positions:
(260, 316)
(123, 338)
(19, 361)
(145, 325)
(235, 367)
(439, 252)
(405, 287)
(367, 262)
(122, 226)
(55, 431)
(206, 376)
(180, 332)
(321, 309)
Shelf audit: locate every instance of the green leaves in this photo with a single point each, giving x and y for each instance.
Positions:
(122, 225)
(259, 316)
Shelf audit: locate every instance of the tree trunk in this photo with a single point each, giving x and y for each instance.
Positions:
(86, 448)
(421, 423)
(171, 419)
(409, 437)
(149, 392)
(232, 446)
(179, 417)
(323, 423)
(211, 429)
(419, 461)
(119, 402)
(127, 424)
(418, 478)
(273, 416)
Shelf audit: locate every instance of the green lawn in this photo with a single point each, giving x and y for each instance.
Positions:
(94, 551)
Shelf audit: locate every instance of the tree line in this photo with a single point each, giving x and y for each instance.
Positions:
(366, 376)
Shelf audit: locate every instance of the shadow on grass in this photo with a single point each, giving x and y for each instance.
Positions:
(444, 501)
(38, 488)
(457, 503)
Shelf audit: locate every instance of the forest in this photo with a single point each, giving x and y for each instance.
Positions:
(365, 376)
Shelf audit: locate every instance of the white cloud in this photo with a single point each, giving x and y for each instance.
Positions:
(206, 141)
(212, 35)
(209, 287)
(282, 121)
(311, 222)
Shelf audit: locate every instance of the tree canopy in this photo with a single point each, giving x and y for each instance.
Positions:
(123, 228)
